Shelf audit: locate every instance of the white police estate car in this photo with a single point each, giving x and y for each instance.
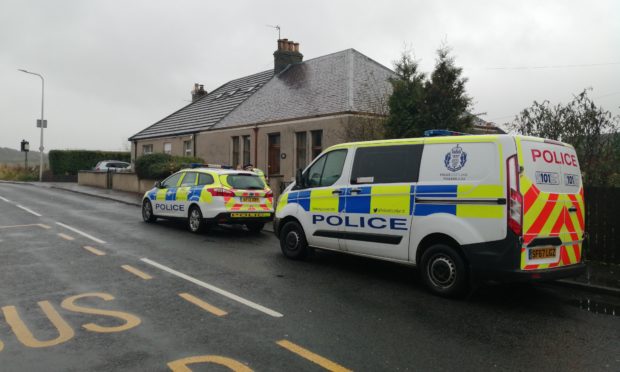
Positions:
(208, 195)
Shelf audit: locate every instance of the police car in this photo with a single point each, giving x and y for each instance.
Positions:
(500, 207)
(209, 195)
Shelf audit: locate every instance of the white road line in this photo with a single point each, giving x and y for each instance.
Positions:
(5, 199)
(80, 232)
(215, 289)
(28, 210)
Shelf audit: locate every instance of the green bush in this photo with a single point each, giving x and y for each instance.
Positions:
(18, 173)
(69, 162)
(158, 166)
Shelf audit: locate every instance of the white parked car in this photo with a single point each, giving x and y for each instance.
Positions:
(112, 166)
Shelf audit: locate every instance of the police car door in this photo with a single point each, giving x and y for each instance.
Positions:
(379, 205)
(322, 199)
(169, 206)
(184, 192)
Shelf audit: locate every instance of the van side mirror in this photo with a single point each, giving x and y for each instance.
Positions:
(299, 180)
(157, 184)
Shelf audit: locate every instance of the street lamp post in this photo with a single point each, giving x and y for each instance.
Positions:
(41, 148)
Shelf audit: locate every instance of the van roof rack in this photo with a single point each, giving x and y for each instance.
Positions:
(442, 132)
(218, 166)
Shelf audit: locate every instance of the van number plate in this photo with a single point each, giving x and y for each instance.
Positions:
(540, 253)
(248, 199)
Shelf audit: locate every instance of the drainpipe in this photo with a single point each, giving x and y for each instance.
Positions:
(194, 143)
(135, 150)
(256, 147)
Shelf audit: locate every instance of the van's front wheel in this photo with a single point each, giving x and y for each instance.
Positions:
(293, 241)
(443, 271)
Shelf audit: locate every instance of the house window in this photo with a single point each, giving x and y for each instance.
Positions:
(147, 149)
(187, 148)
(273, 166)
(246, 150)
(235, 151)
(317, 142)
(167, 148)
(301, 149)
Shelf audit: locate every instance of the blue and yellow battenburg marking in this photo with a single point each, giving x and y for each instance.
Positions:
(194, 193)
(399, 200)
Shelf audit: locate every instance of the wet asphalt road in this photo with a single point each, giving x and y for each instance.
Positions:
(338, 312)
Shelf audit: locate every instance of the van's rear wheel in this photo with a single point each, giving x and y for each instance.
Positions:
(444, 271)
(293, 241)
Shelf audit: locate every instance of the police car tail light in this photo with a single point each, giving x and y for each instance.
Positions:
(515, 199)
(220, 191)
(269, 194)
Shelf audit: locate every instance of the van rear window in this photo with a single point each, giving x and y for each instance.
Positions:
(386, 164)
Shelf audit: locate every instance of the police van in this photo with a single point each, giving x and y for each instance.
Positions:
(461, 208)
(211, 194)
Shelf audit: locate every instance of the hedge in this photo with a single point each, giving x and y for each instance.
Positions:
(158, 166)
(69, 162)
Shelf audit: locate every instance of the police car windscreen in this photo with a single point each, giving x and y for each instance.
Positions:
(245, 181)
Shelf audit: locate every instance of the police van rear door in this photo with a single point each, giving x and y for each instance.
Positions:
(378, 201)
(553, 210)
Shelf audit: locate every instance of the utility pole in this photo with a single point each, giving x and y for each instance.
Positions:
(42, 123)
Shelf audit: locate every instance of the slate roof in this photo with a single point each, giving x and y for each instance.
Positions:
(208, 110)
(345, 81)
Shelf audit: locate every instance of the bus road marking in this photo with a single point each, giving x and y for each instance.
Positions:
(66, 237)
(203, 305)
(215, 289)
(81, 233)
(28, 210)
(94, 250)
(137, 272)
(315, 358)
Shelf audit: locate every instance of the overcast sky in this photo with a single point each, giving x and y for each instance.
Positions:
(114, 67)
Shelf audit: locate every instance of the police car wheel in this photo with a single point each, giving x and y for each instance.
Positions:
(147, 212)
(443, 270)
(293, 241)
(195, 222)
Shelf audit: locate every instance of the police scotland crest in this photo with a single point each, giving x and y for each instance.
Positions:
(455, 159)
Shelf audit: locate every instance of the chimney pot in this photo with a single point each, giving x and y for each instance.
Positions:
(287, 54)
(296, 47)
(285, 44)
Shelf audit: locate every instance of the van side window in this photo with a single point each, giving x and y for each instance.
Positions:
(327, 170)
(387, 164)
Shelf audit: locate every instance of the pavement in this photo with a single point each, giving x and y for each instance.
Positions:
(599, 277)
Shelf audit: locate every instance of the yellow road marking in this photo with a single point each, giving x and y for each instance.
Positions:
(16, 226)
(65, 332)
(202, 304)
(315, 358)
(181, 364)
(65, 236)
(94, 250)
(130, 320)
(44, 226)
(137, 272)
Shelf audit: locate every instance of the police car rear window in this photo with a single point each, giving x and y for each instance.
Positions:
(245, 181)
(387, 164)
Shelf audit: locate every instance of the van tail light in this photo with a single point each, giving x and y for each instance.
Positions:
(515, 199)
(269, 194)
(220, 191)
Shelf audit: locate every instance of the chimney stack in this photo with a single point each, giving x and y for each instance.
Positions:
(287, 54)
(198, 92)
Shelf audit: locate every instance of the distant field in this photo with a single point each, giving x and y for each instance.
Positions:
(9, 156)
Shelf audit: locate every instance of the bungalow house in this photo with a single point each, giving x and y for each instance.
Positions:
(278, 120)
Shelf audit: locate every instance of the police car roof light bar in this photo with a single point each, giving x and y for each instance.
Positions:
(218, 166)
(442, 132)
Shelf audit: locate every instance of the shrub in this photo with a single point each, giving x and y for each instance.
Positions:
(18, 173)
(69, 162)
(158, 166)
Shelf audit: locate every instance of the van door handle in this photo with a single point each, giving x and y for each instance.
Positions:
(356, 190)
(337, 192)
(572, 209)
